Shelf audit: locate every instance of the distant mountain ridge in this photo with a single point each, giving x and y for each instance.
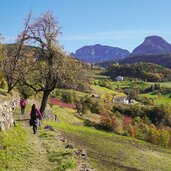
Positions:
(154, 49)
(99, 53)
(152, 45)
(160, 59)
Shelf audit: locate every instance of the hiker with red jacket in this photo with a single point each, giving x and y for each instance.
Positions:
(22, 105)
(35, 117)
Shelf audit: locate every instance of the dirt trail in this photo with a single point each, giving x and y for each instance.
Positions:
(40, 161)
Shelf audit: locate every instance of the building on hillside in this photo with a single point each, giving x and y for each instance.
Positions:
(119, 78)
(121, 99)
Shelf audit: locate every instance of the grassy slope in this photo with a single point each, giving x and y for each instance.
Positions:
(102, 91)
(166, 84)
(96, 74)
(130, 84)
(21, 150)
(14, 150)
(110, 152)
(160, 99)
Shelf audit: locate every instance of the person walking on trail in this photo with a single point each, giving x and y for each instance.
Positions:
(35, 117)
(22, 105)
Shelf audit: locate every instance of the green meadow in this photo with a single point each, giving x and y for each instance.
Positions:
(108, 151)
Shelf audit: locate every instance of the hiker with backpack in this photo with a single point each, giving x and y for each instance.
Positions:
(22, 105)
(35, 117)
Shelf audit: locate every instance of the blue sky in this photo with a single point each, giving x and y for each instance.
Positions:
(117, 23)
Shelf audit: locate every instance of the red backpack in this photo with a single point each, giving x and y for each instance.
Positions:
(23, 103)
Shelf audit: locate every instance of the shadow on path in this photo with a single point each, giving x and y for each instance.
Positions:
(22, 120)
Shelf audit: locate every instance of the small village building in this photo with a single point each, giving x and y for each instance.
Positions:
(121, 99)
(119, 78)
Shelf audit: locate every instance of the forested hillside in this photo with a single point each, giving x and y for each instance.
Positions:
(145, 71)
(160, 59)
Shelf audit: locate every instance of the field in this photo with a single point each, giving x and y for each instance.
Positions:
(166, 84)
(159, 99)
(108, 151)
(96, 74)
(102, 91)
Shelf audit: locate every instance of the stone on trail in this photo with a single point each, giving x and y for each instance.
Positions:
(69, 146)
(49, 128)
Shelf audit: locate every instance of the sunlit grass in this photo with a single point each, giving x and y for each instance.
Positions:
(96, 74)
(102, 91)
(15, 152)
(159, 99)
(109, 151)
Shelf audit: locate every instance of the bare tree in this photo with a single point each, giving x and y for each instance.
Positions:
(50, 67)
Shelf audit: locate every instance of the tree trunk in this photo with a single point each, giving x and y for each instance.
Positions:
(10, 87)
(44, 100)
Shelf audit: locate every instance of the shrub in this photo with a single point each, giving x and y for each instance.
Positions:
(109, 97)
(67, 97)
(89, 123)
(118, 126)
(142, 131)
(126, 121)
(132, 131)
(164, 137)
(152, 135)
(3, 84)
(57, 93)
(145, 100)
(99, 107)
(83, 87)
(106, 123)
(159, 114)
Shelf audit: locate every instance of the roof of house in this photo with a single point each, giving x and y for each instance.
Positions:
(119, 76)
(120, 98)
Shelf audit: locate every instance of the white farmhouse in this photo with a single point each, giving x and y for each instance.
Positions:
(119, 78)
(121, 99)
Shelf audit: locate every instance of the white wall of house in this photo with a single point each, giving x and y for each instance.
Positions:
(119, 78)
(126, 101)
(121, 100)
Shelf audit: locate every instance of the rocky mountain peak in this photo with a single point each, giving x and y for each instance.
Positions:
(99, 53)
(152, 45)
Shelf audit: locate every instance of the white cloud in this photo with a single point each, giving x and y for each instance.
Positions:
(121, 34)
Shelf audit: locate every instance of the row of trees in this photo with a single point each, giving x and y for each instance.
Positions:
(141, 129)
(44, 67)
